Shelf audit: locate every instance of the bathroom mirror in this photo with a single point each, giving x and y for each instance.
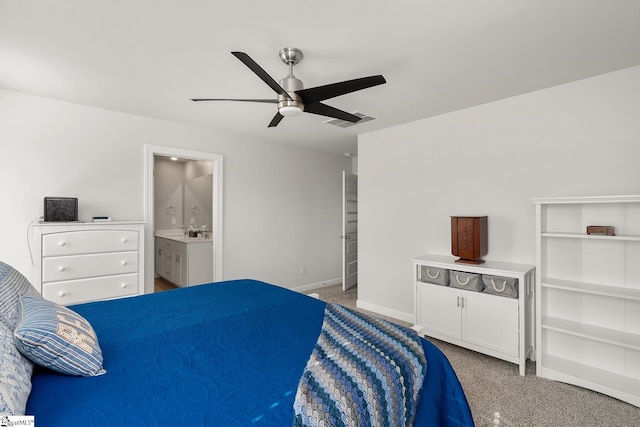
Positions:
(198, 201)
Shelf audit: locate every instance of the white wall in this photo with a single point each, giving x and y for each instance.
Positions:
(577, 139)
(282, 206)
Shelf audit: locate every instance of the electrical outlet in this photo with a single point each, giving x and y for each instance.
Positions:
(192, 221)
(303, 270)
(173, 221)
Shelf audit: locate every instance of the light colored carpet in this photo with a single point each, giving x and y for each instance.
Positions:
(493, 385)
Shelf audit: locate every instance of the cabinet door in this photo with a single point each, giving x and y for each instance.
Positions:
(180, 269)
(167, 265)
(490, 321)
(159, 256)
(439, 310)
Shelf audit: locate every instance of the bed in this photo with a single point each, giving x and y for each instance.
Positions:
(223, 354)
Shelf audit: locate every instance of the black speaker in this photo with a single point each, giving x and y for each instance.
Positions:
(60, 209)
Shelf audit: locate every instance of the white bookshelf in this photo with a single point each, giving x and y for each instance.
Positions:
(588, 294)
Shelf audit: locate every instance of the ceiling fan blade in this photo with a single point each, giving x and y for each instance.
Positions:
(276, 119)
(329, 111)
(267, 101)
(320, 93)
(253, 65)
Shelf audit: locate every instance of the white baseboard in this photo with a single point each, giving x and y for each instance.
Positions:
(405, 317)
(310, 286)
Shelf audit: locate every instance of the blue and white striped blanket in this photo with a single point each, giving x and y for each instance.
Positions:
(363, 371)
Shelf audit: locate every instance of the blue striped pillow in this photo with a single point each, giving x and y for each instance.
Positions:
(57, 338)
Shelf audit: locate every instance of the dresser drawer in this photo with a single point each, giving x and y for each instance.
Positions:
(78, 291)
(89, 241)
(55, 269)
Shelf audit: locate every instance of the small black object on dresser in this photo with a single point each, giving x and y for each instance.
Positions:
(60, 209)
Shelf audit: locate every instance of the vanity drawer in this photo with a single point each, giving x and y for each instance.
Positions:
(161, 242)
(82, 266)
(79, 291)
(89, 241)
(171, 245)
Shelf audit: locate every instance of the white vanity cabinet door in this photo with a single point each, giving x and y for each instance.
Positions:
(439, 311)
(158, 261)
(490, 322)
(181, 266)
(167, 264)
(173, 261)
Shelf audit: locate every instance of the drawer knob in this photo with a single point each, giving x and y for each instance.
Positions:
(62, 268)
(62, 293)
(123, 262)
(124, 240)
(123, 286)
(62, 243)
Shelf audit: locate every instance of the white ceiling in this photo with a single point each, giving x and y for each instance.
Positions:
(149, 57)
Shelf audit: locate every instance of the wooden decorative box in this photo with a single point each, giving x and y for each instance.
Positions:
(606, 230)
(469, 238)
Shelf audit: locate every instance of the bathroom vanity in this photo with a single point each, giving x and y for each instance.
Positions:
(183, 261)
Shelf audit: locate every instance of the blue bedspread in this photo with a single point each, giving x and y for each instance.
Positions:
(226, 354)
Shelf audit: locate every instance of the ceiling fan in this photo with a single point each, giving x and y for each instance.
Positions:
(292, 99)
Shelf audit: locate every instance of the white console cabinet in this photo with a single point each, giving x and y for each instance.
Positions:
(495, 325)
(588, 294)
(81, 262)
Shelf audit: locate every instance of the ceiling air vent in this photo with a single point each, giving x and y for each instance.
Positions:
(346, 124)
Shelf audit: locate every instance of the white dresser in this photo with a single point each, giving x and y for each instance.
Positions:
(82, 262)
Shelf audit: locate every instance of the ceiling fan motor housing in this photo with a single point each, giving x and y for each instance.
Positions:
(290, 84)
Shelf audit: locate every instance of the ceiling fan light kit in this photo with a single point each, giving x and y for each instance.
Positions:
(291, 104)
(290, 111)
(293, 99)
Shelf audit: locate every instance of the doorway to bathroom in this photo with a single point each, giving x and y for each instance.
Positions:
(191, 198)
